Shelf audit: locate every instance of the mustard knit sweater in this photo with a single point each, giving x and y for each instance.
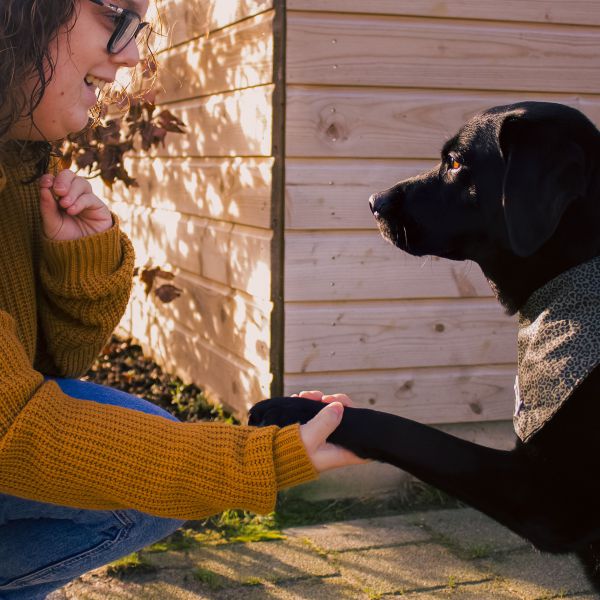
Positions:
(59, 302)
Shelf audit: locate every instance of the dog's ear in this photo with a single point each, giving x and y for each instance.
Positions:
(543, 175)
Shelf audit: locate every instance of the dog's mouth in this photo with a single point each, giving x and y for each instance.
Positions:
(397, 234)
(409, 237)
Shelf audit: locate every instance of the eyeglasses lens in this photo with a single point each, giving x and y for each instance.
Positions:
(126, 30)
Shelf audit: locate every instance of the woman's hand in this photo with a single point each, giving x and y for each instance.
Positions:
(327, 398)
(314, 434)
(69, 208)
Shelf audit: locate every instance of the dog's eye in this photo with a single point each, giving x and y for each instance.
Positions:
(453, 164)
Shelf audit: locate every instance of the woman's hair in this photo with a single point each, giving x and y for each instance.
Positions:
(27, 29)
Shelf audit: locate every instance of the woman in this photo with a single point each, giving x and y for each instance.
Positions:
(88, 474)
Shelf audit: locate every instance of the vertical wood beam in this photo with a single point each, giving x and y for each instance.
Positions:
(278, 199)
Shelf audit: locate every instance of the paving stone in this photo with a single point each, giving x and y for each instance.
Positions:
(175, 585)
(361, 533)
(406, 568)
(264, 561)
(480, 591)
(470, 530)
(531, 574)
(290, 569)
(329, 588)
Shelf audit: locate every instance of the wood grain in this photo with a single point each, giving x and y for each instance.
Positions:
(333, 194)
(385, 123)
(578, 12)
(235, 190)
(362, 266)
(394, 335)
(236, 57)
(236, 123)
(404, 52)
(232, 255)
(185, 20)
(232, 321)
(429, 395)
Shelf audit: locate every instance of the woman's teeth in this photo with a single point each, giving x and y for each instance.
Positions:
(91, 80)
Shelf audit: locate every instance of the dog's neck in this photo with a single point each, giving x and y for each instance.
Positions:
(512, 285)
(514, 279)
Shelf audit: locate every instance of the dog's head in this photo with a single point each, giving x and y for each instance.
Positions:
(504, 182)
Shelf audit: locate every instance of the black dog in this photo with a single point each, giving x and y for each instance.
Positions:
(517, 191)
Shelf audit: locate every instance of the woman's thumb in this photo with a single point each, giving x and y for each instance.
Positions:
(325, 421)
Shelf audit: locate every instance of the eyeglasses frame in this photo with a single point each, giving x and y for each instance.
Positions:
(120, 11)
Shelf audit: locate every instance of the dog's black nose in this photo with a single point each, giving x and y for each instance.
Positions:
(379, 204)
(373, 204)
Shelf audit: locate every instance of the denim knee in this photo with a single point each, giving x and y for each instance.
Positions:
(48, 552)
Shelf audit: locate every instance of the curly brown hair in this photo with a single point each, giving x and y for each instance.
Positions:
(27, 29)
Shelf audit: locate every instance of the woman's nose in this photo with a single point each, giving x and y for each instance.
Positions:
(129, 56)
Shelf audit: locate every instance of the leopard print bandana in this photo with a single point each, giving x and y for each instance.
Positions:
(558, 344)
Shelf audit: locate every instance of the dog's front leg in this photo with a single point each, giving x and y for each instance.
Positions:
(499, 483)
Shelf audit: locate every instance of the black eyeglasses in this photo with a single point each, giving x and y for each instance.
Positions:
(127, 26)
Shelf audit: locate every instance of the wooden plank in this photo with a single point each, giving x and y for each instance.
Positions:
(386, 123)
(578, 12)
(233, 255)
(235, 190)
(226, 378)
(333, 194)
(188, 19)
(232, 124)
(395, 335)
(237, 57)
(405, 52)
(230, 320)
(363, 266)
(434, 396)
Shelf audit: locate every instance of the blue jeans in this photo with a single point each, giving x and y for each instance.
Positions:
(44, 546)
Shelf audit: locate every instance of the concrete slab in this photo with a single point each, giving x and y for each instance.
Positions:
(329, 588)
(261, 561)
(531, 574)
(406, 568)
(469, 530)
(352, 561)
(479, 591)
(361, 533)
(175, 585)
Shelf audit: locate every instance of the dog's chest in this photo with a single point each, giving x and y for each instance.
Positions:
(558, 345)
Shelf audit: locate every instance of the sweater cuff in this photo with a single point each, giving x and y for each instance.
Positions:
(97, 255)
(292, 464)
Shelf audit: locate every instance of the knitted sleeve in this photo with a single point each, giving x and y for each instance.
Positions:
(54, 448)
(85, 289)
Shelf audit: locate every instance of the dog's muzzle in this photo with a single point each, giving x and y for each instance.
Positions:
(376, 202)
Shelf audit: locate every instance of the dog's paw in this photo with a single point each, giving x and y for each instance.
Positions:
(283, 411)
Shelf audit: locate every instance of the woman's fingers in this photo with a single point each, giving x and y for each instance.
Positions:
(77, 205)
(311, 395)
(64, 181)
(314, 434)
(327, 398)
(79, 187)
(342, 398)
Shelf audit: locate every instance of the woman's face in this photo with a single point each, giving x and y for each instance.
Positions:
(78, 54)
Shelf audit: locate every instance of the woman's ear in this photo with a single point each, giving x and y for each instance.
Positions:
(543, 175)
